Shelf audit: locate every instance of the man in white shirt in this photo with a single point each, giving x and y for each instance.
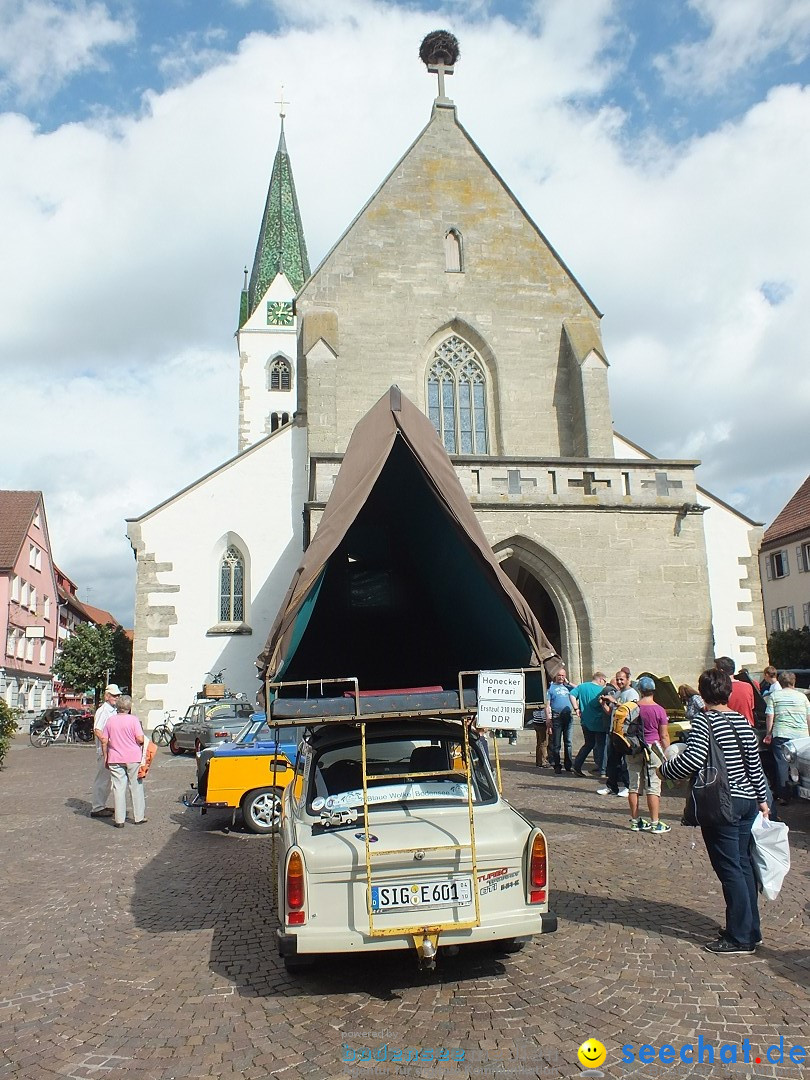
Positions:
(102, 782)
(618, 775)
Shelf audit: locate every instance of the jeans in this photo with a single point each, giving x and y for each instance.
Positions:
(783, 789)
(728, 847)
(596, 741)
(618, 775)
(562, 726)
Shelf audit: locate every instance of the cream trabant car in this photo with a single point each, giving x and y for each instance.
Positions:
(416, 849)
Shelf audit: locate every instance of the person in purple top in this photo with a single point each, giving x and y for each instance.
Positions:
(122, 746)
(643, 775)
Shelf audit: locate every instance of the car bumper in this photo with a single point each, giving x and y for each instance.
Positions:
(309, 941)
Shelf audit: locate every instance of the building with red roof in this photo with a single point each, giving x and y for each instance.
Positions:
(784, 559)
(29, 608)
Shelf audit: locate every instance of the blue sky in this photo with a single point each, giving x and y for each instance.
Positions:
(148, 45)
(661, 146)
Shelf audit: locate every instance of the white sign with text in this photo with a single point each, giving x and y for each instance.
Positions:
(501, 700)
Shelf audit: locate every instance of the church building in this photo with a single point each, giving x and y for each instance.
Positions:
(443, 286)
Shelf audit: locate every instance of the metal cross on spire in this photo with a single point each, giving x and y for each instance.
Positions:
(281, 103)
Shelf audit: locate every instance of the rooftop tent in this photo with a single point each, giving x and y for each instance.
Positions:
(399, 586)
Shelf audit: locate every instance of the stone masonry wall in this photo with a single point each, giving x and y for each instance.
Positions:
(386, 281)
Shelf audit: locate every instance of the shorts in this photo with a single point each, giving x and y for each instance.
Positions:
(639, 781)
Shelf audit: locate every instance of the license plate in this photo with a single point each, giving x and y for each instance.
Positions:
(422, 894)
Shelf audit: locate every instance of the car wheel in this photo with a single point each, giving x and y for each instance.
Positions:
(512, 945)
(262, 810)
(197, 746)
(175, 747)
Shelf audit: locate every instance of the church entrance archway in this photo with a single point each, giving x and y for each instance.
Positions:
(537, 598)
(555, 598)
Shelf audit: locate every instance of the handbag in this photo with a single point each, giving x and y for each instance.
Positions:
(770, 854)
(708, 802)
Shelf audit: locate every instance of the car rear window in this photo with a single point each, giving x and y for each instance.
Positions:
(393, 768)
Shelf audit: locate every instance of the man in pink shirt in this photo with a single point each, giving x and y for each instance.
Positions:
(741, 699)
(122, 746)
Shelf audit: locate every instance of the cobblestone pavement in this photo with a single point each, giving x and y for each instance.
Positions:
(149, 952)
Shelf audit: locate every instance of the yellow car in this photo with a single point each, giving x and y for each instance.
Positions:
(248, 774)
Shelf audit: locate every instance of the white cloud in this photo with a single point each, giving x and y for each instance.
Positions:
(44, 42)
(127, 238)
(186, 56)
(741, 33)
(104, 445)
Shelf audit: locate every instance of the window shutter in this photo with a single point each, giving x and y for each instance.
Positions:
(768, 569)
(775, 619)
(800, 559)
(785, 563)
(791, 619)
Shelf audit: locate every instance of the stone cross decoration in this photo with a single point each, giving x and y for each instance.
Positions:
(439, 52)
(588, 483)
(662, 484)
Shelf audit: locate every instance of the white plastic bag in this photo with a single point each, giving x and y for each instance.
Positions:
(771, 854)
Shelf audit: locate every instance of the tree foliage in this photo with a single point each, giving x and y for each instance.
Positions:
(8, 728)
(87, 660)
(122, 651)
(790, 648)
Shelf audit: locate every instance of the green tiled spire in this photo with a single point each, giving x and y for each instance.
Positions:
(281, 244)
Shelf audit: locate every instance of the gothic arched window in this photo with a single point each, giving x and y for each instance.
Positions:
(280, 374)
(457, 397)
(452, 252)
(232, 586)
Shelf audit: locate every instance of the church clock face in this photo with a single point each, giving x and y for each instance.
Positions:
(279, 313)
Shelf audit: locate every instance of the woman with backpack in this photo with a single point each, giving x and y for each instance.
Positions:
(728, 844)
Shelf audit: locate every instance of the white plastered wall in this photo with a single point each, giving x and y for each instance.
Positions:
(254, 500)
(259, 344)
(728, 541)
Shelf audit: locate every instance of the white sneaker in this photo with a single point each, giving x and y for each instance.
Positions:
(623, 792)
(604, 791)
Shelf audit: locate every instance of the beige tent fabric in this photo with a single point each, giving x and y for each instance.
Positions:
(371, 442)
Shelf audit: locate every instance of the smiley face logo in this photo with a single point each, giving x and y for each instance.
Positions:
(592, 1054)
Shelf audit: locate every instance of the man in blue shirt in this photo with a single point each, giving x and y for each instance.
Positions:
(595, 724)
(560, 708)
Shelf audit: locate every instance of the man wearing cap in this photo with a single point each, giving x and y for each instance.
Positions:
(644, 778)
(102, 782)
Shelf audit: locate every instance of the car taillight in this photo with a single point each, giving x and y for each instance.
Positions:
(296, 916)
(538, 878)
(222, 734)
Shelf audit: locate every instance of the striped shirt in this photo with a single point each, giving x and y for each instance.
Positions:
(745, 776)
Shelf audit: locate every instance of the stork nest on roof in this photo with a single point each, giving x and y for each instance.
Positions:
(439, 47)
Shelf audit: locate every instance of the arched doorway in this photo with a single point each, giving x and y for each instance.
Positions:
(555, 598)
(537, 598)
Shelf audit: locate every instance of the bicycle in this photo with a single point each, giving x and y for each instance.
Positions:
(162, 733)
(43, 731)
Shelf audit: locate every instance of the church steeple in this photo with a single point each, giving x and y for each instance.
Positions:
(281, 247)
